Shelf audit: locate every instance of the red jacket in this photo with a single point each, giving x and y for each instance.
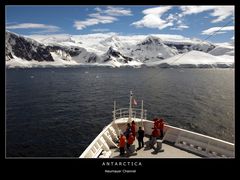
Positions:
(155, 132)
(161, 125)
(157, 124)
(122, 141)
(133, 129)
(131, 139)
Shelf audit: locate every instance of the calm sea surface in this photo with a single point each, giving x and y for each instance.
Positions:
(57, 112)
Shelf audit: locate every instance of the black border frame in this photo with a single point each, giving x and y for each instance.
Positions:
(93, 167)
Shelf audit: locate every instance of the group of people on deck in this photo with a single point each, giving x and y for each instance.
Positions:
(128, 137)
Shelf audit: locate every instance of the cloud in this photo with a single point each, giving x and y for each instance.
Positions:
(183, 26)
(217, 30)
(153, 18)
(178, 20)
(47, 28)
(102, 16)
(187, 10)
(115, 11)
(100, 30)
(79, 25)
(220, 12)
(152, 21)
(180, 27)
(96, 19)
(157, 10)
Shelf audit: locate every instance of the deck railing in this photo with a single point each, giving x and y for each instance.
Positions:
(195, 142)
(124, 113)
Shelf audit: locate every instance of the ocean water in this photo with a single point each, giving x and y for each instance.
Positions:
(57, 112)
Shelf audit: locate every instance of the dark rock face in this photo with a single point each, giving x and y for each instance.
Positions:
(210, 47)
(107, 59)
(113, 52)
(189, 47)
(151, 40)
(72, 51)
(29, 49)
(179, 47)
(92, 58)
(127, 59)
(8, 54)
(116, 54)
(26, 49)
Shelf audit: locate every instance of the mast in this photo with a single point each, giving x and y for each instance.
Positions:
(142, 115)
(114, 118)
(114, 112)
(130, 107)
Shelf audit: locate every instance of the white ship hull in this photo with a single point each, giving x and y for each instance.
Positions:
(177, 143)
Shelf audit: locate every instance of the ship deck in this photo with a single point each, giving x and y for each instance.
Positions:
(168, 151)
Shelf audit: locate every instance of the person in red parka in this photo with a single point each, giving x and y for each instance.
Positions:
(155, 134)
(161, 127)
(133, 128)
(157, 123)
(122, 143)
(130, 140)
(155, 119)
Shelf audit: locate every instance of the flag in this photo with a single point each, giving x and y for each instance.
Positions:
(134, 102)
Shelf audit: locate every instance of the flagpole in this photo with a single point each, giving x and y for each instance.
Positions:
(142, 115)
(130, 108)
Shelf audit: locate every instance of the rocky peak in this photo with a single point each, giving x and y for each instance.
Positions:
(152, 40)
(113, 52)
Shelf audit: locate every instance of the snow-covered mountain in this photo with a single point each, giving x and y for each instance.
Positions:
(114, 54)
(183, 47)
(152, 48)
(114, 50)
(25, 48)
(112, 41)
(223, 49)
(24, 52)
(194, 59)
